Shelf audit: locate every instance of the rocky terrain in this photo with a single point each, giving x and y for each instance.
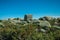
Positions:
(44, 28)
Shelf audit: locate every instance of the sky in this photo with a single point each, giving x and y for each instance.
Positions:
(38, 8)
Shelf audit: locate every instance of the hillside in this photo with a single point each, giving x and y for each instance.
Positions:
(45, 28)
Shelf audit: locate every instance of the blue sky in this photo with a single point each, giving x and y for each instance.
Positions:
(38, 8)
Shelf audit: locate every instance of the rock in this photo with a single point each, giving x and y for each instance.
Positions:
(48, 18)
(45, 23)
(1, 25)
(42, 30)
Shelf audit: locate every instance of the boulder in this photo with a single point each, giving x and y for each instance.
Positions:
(44, 24)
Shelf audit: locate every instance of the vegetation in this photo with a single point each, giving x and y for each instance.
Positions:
(10, 31)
